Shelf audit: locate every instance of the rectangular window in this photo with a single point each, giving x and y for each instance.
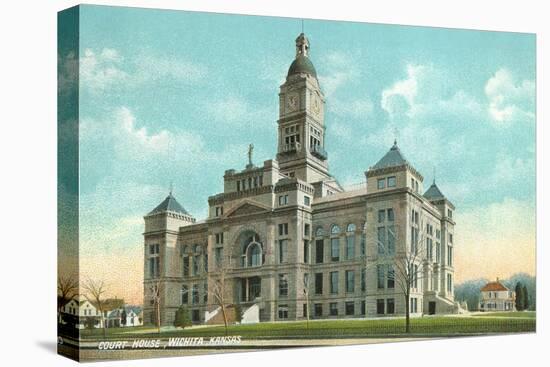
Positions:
(319, 253)
(391, 240)
(391, 216)
(283, 244)
(450, 238)
(449, 213)
(390, 276)
(381, 183)
(283, 200)
(283, 285)
(438, 252)
(380, 275)
(391, 181)
(184, 294)
(219, 238)
(363, 280)
(307, 230)
(306, 252)
(282, 312)
(238, 185)
(218, 255)
(363, 244)
(186, 266)
(381, 240)
(350, 247)
(154, 267)
(319, 283)
(429, 249)
(363, 308)
(318, 309)
(205, 265)
(333, 282)
(195, 262)
(307, 201)
(350, 281)
(381, 216)
(283, 229)
(205, 294)
(350, 308)
(333, 306)
(380, 306)
(335, 249)
(449, 255)
(449, 283)
(304, 309)
(390, 306)
(195, 294)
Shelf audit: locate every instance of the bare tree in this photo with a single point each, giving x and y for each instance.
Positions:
(306, 295)
(156, 289)
(67, 289)
(408, 271)
(218, 291)
(95, 291)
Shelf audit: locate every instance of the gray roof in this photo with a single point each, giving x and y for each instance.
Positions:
(434, 193)
(170, 204)
(393, 158)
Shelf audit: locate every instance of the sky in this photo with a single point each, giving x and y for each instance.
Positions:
(176, 97)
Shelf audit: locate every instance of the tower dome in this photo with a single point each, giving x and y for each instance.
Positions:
(302, 64)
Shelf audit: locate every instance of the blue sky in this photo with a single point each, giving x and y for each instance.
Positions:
(172, 96)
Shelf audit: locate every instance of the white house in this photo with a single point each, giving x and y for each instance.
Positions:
(126, 316)
(82, 310)
(496, 297)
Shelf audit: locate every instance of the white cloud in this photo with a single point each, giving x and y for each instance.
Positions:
(107, 68)
(340, 68)
(510, 100)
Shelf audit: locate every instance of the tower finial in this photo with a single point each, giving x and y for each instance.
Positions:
(302, 26)
(302, 45)
(171, 187)
(434, 175)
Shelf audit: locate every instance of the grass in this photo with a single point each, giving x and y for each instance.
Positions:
(514, 314)
(428, 326)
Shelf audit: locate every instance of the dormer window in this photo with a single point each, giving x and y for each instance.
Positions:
(391, 181)
(381, 183)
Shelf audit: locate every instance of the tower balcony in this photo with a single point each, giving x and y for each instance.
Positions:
(292, 147)
(319, 152)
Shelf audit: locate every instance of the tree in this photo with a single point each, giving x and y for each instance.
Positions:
(182, 317)
(519, 296)
(218, 291)
(306, 295)
(408, 270)
(95, 291)
(123, 316)
(155, 294)
(67, 289)
(525, 297)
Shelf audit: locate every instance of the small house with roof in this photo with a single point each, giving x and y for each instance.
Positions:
(495, 296)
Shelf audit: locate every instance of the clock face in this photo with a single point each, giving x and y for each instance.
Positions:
(316, 105)
(292, 102)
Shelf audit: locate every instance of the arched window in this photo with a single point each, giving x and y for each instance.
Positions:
(254, 254)
(252, 250)
(351, 227)
(320, 232)
(334, 229)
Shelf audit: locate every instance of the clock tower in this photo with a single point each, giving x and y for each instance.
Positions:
(301, 145)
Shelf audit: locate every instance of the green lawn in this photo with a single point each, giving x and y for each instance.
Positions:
(519, 314)
(427, 326)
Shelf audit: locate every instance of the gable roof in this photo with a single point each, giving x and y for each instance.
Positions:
(493, 287)
(170, 204)
(393, 158)
(434, 193)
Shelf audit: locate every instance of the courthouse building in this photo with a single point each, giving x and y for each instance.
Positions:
(290, 240)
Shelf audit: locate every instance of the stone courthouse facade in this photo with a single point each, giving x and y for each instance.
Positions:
(289, 240)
